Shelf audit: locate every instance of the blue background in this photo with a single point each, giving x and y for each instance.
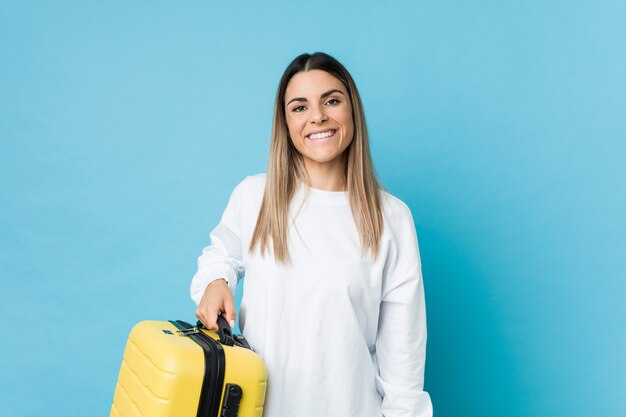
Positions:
(124, 127)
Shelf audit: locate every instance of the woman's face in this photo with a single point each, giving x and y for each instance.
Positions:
(319, 117)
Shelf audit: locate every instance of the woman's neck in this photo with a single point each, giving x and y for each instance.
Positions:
(327, 177)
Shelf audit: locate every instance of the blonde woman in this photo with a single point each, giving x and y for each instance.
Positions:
(333, 295)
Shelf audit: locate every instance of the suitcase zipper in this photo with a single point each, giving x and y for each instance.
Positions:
(210, 394)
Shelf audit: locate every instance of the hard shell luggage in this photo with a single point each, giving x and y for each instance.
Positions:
(174, 369)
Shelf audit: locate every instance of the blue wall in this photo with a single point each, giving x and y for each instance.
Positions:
(125, 125)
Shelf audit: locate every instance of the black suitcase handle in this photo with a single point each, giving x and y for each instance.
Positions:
(226, 335)
(223, 330)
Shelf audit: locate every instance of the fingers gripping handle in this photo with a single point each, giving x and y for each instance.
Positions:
(224, 331)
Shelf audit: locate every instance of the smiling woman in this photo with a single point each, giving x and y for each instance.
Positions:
(320, 124)
(317, 239)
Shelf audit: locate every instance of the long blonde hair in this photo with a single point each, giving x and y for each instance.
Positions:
(286, 168)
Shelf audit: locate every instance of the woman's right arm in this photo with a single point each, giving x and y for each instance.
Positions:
(220, 267)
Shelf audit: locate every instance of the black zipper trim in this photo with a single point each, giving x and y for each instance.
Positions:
(214, 366)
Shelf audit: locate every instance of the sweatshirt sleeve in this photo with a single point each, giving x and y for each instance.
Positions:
(401, 339)
(222, 258)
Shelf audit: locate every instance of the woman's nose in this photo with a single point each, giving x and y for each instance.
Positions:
(318, 115)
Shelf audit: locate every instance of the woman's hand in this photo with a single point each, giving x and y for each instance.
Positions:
(217, 298)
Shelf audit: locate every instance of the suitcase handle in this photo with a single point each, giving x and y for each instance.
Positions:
(224, 331)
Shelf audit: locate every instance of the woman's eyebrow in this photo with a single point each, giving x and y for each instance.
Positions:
(326, 94)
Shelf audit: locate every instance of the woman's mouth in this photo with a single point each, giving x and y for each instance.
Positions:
(322, 135)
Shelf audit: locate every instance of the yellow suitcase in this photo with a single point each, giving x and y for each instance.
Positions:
(174, 369)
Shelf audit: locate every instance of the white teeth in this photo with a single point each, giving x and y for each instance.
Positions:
(322, 135)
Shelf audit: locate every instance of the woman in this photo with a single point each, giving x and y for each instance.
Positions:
(333, 297)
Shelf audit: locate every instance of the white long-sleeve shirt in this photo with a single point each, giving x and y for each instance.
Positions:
(342, 334)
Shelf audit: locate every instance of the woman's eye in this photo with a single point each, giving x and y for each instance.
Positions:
(333, 100)
(297, 108)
